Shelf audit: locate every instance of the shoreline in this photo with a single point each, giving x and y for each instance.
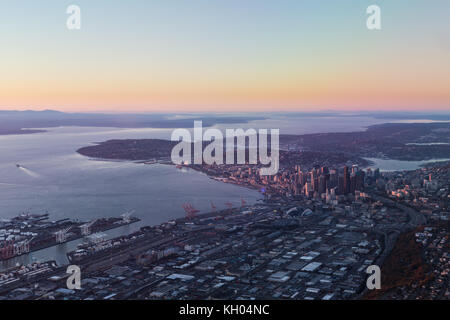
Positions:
(69, 239)
(388, 141)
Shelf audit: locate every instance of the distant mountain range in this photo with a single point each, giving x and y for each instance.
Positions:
(16, 122)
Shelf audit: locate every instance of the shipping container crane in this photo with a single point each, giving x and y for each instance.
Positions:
(7, 251)
(61, 235)
(27, 244)
(190, 210)
(22, 247)
(126, 216)
(86, 228)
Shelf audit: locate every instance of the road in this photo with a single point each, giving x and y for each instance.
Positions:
(390, 235)
(415, 218)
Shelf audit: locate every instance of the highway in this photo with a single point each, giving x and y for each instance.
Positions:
(415, 218)
(390, 235)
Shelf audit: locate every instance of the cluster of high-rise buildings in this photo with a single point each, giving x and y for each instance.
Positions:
(318, 183)
(329, 182)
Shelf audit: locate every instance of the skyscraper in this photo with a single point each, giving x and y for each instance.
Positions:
(322, 188)
(346, 180)
(341, 188)
(333, 179)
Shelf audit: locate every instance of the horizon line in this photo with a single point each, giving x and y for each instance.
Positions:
(324, 111)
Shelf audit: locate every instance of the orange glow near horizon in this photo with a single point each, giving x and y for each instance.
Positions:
(348, 95)
(226, 56)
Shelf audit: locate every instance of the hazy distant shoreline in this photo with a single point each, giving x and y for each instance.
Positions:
(24, 122)
(18, 122)
(20, 131)
(391, 141)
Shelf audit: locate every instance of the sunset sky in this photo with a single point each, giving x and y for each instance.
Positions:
(227, 55)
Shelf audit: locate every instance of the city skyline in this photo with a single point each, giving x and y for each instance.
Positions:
(226, 57)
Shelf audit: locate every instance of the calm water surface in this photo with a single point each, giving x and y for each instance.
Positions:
(68, 185)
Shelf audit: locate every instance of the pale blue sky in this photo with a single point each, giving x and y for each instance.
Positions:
(229, 51)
